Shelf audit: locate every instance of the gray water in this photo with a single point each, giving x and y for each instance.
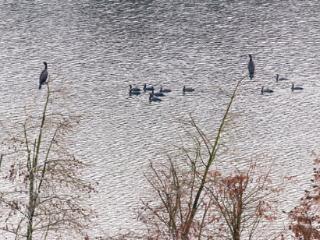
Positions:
(95, 49)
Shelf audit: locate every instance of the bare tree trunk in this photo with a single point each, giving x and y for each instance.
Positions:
(186, 229)
(32, 191)
(31, 207)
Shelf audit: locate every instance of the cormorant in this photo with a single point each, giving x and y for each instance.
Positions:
(44, 75)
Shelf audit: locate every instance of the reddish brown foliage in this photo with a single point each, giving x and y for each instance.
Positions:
(231, 206)
(305, 218)
(241, 201)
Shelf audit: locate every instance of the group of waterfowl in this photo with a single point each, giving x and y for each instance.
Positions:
(268, 90)
(155, 96)
(251, 69)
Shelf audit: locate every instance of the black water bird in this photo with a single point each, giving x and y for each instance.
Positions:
(165, 90)
(134, 93)
(251, 67)
(187, 89)
(147, 88)
(278, 78)
(44, 75)
(266, 90)
(157, 94)
(293, 88)
(152, 98)
(134, 89)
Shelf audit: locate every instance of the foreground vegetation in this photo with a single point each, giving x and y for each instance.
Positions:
(190, 199)
(46, 193)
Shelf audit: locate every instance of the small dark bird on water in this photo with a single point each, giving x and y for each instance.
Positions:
(134, 90)
(157, 94)
(266, 90)
(278, 78)
(43, 75)
(295, 88)
(165, 90)
(147, 88)
(187, 89)
(153, 98)
(251, 67)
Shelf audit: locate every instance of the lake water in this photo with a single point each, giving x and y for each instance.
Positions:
(95, 49)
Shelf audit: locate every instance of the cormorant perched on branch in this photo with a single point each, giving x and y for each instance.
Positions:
(251, 67)
(43, 75)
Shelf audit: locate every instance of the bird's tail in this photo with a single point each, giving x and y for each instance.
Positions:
(39, 86)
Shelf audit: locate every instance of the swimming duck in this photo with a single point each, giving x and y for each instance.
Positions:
(280, 78)
(147, 88)
(185, 89)
(157, 94)
(295, 88)
(134, 93)
(266, 90)
(134, 90)
(165, 90)
(251, 67)
(152, 98)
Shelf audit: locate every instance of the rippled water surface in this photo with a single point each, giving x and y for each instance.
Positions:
(95, 49)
